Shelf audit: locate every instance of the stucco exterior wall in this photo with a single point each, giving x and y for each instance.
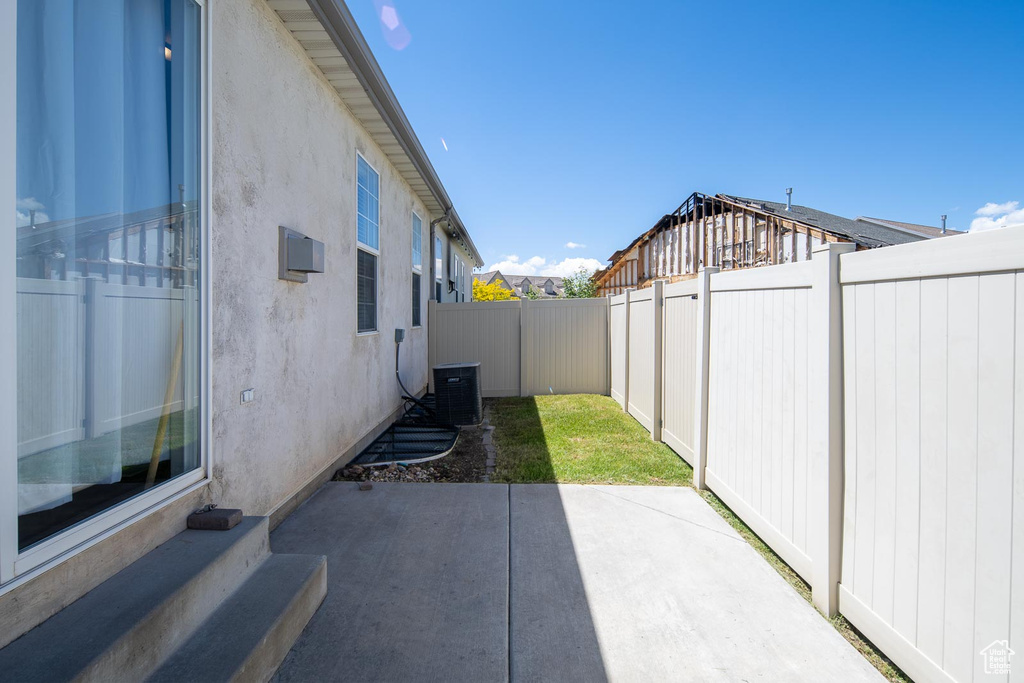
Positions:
(284, 153)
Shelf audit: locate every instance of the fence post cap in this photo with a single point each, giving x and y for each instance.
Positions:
(833, 247)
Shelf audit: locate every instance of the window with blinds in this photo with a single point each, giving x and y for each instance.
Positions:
(367, 294)
(416, 300)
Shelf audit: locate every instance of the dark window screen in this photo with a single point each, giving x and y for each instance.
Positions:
(367, 295)
(415, 299)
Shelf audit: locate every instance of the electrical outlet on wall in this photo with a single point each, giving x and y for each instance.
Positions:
(248, 395)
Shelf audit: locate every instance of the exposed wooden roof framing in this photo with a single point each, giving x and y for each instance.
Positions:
(733, 232)
(328, 33)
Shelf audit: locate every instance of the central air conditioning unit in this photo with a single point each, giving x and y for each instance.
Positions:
(457, 393)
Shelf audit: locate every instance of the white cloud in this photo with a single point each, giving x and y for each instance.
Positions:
(993, 209)
(25, 207)
(575, 245)
(538, 265)
(992, 216)
(29, 204)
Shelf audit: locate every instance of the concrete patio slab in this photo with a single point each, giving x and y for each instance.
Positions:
(417, 583)
(655, 586)
(469, 582)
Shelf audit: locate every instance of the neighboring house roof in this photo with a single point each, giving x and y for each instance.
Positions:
(328, 33)
(863, 233)
(914, 228)
(490, 276)
(516, 282)
(539, 282)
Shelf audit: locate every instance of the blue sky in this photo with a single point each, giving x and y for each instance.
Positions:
(583, 122)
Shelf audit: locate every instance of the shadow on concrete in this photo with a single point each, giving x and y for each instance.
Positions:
(444, 582)
(552, 634)
(552, 631)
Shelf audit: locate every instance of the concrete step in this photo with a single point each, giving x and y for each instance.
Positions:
(249, 635)
(125, 627)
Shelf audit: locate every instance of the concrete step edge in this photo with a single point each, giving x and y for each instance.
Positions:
(248, 637)
(126, 626)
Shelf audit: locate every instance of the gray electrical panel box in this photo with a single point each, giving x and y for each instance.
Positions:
(298, 255)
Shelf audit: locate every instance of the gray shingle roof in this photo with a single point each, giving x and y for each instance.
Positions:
(926, 230)
(861, 232)
(485, 277)
(516, 281)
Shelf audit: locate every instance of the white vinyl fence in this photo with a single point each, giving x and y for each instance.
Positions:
(759, 403)
(565, 347)
(84, 346)
(863, 413)
(644, 356)
(618, 339)
(482, 332)
(933, 535)
(679, 366)
(81, 343)
(526, 347)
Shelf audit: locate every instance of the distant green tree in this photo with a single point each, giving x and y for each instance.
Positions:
(579, 285)
(532, 294)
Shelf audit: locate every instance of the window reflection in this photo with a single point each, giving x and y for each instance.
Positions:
(108, 249)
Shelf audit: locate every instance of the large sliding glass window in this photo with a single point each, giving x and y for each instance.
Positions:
(108, 254)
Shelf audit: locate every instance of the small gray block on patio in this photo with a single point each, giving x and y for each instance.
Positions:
(218, 519)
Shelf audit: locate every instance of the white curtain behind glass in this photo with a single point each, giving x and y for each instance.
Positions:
(106, 131)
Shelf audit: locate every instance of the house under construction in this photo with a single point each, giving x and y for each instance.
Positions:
(735, 232)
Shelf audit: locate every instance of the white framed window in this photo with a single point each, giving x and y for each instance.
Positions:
(417, 242)
(368, 238)
(74, 472)
(456, 275)
(417, 269)
(438, 259)
(438, 268)
(367, 204)
(453, 267)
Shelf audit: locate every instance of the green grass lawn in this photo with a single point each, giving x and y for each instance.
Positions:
(578, 439)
